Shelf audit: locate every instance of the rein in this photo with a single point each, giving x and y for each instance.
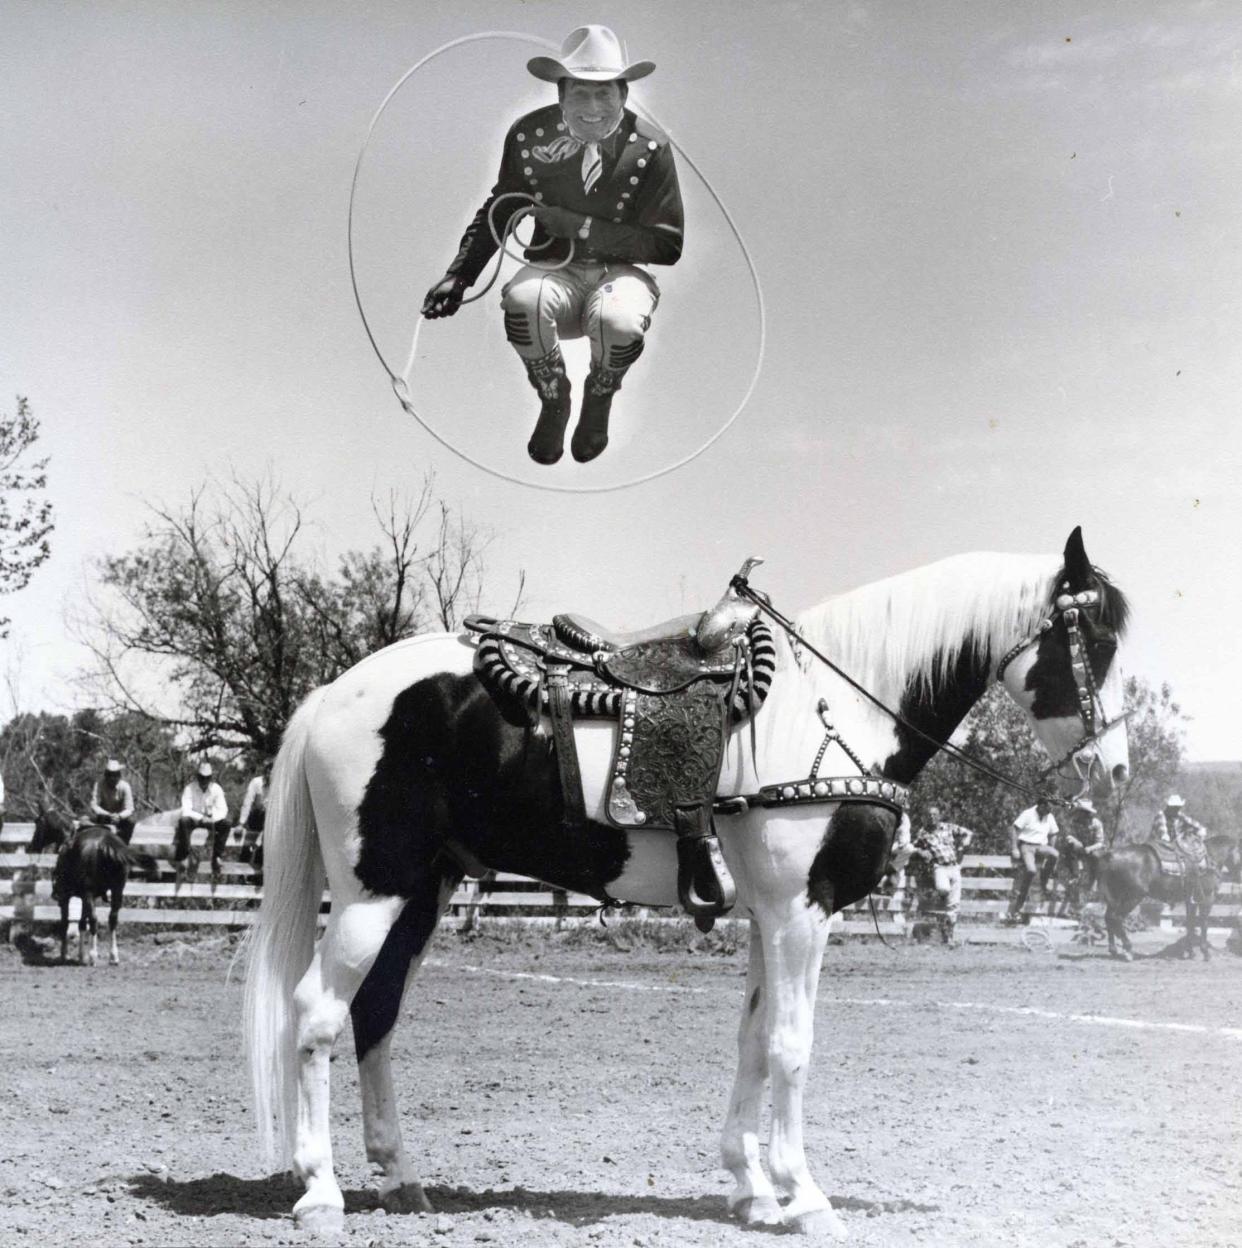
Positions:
(741, 586)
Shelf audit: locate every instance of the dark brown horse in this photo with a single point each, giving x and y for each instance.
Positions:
(1131, 872)
(52, 829)
(95, 862)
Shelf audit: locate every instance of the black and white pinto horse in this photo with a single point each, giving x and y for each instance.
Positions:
(406, 752)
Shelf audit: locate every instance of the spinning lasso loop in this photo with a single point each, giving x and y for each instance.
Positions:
(401, 381)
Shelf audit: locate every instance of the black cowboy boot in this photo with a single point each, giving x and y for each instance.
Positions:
(547, 375)
(591, 433)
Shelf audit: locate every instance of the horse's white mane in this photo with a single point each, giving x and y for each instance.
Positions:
(913, 626)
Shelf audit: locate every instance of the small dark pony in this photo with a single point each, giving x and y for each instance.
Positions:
(1131, 872)
(96, 861)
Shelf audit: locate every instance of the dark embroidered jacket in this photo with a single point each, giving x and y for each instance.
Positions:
(635, 205)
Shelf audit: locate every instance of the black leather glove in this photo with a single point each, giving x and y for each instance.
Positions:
(444, 298)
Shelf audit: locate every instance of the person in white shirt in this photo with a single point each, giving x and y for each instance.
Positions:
(203, 805)
(1030, 846)
(252, 818)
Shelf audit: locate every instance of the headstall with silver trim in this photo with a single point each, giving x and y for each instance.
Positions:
(1068, 608)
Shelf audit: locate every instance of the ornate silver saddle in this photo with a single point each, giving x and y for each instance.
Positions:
(674, 691)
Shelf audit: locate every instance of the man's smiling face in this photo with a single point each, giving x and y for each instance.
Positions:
(592, 109)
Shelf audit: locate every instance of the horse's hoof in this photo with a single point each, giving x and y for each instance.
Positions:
(758, 1211)
(408, 1198)
(320, 1219)
(113, 960)
(822, 1223)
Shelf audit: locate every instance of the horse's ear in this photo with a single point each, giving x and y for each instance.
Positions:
(1077, 566)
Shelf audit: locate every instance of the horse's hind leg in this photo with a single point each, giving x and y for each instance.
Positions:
(753, 1199)
(114, 917)
(355, 935)
(87, 922)
(64, 928)
(374, 1013)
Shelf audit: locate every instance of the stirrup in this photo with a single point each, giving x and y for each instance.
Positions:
(704, 885)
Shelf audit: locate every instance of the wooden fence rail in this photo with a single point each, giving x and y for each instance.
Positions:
(231, 898)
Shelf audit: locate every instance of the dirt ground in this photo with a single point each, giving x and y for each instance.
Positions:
(561, 1092)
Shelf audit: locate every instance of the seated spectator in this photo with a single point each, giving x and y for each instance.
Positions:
(203, 805)
(252, 818)
(112, 801)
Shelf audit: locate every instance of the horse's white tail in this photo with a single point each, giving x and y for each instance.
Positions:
(282, 941)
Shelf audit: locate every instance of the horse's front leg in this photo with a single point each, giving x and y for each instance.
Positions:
(64, 928)
(753, 1199)
(793, 945)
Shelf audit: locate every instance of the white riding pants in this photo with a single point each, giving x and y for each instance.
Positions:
(611, 304)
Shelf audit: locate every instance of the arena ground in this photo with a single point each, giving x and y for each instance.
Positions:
(563, 1090)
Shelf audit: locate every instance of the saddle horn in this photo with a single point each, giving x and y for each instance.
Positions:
(729, 618)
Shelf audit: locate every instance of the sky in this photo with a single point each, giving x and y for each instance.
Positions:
(998, 248)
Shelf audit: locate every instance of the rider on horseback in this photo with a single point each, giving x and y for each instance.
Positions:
(1175, 827)
(112, 801)
(606, 200)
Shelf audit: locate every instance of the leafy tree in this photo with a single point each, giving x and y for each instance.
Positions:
(997, 733)
(1157, 746)
(218, 624)
(54, 760)
(25, 518)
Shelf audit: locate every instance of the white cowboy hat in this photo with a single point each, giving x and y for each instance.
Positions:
(1085, 803)
(592, 54)
(204, 769)
(1174, 800)
(113, 765)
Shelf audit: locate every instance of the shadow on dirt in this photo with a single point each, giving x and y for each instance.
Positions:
(216, 1194)
(274, 1198)
(35, 952)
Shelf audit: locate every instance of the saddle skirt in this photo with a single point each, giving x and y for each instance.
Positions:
(1178, 861)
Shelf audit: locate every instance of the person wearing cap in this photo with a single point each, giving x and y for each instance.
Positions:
(1175, 827)
(1030, 846)
(112, 801)
(203, 805)
(607, 200)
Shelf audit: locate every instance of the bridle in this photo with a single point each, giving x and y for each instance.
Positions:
(1068, 609)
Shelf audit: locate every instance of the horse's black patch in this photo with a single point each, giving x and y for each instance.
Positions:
(852, 856)
(936, 707)
(375, 1007)
(754, 999)
(453, 766)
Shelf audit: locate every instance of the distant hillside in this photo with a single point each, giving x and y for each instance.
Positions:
(1214, 766)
